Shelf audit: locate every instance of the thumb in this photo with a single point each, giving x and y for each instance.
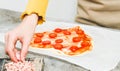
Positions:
(24, 51)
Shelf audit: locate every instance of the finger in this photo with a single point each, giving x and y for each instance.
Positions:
(17, 54)
(10, 47)
(12, 55)
(24, 50)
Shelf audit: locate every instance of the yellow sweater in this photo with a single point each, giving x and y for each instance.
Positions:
(38, 7)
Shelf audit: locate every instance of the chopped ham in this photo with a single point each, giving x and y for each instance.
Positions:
(20, 66)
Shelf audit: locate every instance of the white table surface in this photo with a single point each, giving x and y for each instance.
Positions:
(106, 47)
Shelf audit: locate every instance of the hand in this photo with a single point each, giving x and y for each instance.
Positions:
(23, 33)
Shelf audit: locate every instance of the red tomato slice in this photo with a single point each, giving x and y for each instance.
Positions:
(37, 40)
(66, 32)
(76, 39)
(58, 46)
(39, 34)
(46, 42)
(52, 35)
(85, 44)
(58, 30)
(59, 40)
(82, 36)
(79, 31)
(87, 39)
(74, 48)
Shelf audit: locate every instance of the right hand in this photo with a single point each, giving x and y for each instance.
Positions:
(24, 33)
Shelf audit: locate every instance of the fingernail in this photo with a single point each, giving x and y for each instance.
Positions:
(14, 60)
(23, 59)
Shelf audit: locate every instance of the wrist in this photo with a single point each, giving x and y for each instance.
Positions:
(31, 19)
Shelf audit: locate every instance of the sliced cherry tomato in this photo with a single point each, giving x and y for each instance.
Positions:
(39, 34)
(82, 35)
(59, 40)
(87, 39)
(58, 46)
(58, 30)
(79, 31)
(52, 35)
(66, 32)
(46, 42)
(85, 44)
(76, 39)
(74, 48)
(37, 40)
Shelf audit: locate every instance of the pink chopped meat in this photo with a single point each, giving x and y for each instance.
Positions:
(20, 66)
